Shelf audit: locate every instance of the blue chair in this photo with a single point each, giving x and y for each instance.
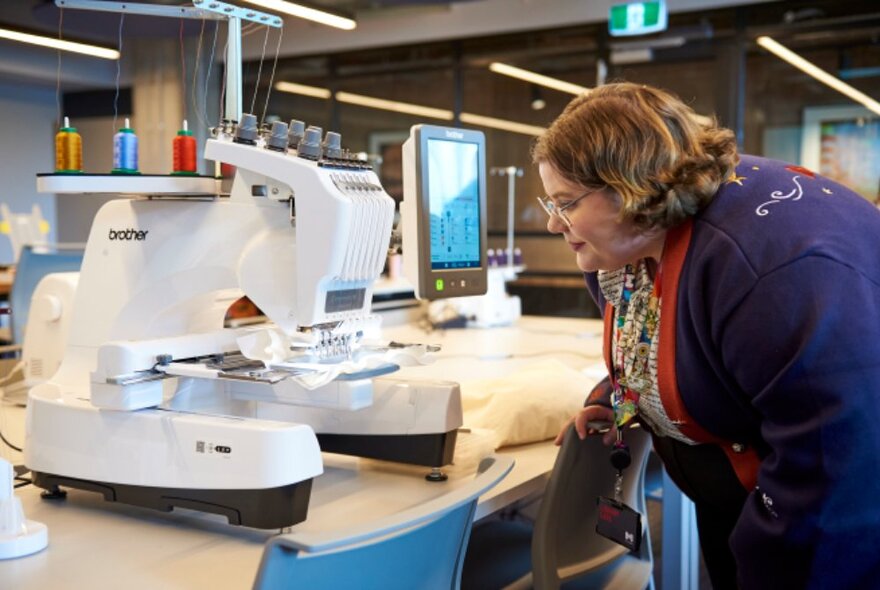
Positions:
(422, 547)
(33, 264)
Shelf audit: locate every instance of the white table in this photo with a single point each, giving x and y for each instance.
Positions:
(97, 544)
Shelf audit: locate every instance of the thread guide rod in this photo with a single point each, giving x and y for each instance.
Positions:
(202, 9)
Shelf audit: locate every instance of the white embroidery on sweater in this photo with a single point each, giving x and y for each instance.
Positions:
(777, 196)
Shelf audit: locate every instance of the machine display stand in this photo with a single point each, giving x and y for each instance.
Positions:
(430, 450)
(273, 508)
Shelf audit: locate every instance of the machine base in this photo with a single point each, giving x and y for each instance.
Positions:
(430, 450)
(272, 508)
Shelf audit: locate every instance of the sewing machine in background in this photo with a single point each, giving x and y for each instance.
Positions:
(157, 404)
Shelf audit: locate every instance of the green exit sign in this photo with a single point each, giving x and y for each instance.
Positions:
(637, 18)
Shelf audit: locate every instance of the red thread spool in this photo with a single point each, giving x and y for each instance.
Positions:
(184, 151)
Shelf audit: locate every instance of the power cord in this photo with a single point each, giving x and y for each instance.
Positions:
(3, 438)
(9, 444)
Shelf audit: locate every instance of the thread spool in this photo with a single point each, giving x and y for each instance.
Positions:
(517, 257)
(125, 151)
(68, 150)
(184, 148)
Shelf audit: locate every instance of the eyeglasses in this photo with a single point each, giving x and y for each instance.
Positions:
(552, 208)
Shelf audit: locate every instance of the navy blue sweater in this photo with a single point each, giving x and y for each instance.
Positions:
(778, 343)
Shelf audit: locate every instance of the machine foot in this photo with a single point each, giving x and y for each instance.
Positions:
(269, 508)
(436, 475)
(415, 449)
(53, 493)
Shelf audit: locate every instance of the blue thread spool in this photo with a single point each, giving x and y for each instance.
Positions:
(125, 151)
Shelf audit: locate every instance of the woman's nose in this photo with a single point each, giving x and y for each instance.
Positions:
(555, 225)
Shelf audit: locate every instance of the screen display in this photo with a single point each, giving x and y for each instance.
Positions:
(344, 300)
(454, 202)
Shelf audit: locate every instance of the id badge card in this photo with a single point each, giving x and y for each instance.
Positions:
(619, 522)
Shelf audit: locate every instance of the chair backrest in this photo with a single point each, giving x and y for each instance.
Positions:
(33, 265)
(565, 544)
(422, 547)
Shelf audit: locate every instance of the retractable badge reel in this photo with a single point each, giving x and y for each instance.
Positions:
(616, 520)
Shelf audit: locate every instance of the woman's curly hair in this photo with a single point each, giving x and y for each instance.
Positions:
(663, 160)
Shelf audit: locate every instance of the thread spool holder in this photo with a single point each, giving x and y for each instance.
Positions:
(201, 10)
(512, 173)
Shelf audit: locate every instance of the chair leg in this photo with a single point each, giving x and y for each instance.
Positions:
(681, 548)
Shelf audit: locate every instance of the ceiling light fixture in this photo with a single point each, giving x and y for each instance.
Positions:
(622, 57)
(526, 75)
(294, 88)
(393, 105)
(319, 16)
(503, 124)
(538, 103)
(409, 108)
(818, 73)
(83, 48)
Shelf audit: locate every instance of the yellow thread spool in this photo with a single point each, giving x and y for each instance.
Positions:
(68, 150)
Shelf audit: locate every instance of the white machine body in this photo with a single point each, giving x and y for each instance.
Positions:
(165, 449)
(129, 406)
(154, 398)
(46, 332)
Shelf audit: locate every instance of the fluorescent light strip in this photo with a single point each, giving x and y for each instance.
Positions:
(297, 10)
(818, 73)
(393, 105)
(295, 88)
(502, 124)
(409, 109)
(53, 43)
(527, 76)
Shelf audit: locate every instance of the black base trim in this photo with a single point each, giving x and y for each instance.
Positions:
(272, 508)
(430, 450)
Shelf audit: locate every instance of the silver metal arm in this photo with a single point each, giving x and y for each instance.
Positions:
(202, 9)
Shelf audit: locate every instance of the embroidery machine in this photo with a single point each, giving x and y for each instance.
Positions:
(157, 404)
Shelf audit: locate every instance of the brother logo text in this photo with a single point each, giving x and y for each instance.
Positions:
(128, 234)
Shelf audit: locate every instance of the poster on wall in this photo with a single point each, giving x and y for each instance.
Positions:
(843, 143)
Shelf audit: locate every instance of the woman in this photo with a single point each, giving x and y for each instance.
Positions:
(742, 309)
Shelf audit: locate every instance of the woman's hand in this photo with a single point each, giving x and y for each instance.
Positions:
(589, 420)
